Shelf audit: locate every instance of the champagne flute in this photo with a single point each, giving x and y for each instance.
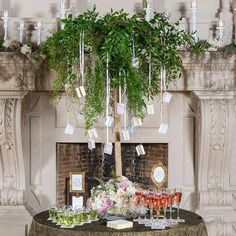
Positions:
(171, 201)
(177, 199)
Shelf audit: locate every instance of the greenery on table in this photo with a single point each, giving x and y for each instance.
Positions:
(112, 35)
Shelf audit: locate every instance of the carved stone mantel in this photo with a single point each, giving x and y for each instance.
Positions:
(17, 78)
(215, 112)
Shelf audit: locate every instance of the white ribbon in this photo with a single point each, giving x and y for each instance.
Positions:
(107, 96)
(81, 51)
(150, 71)
(125, 102)
(161, 93)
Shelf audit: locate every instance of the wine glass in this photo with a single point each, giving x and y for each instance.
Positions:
(177, 199)
(171, 201)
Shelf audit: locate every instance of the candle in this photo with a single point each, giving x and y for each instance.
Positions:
(22, 24)
(221, 24)
(5, 13)
(194, 4)
(63, 5)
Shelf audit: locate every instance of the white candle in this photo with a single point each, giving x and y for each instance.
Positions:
(63, 5)
(221, 24)
(5, 13)
(194, 4)
(22, 24)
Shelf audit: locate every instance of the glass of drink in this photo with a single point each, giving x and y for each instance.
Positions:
(177, 199)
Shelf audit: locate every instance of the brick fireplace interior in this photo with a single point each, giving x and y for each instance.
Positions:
(75, 157)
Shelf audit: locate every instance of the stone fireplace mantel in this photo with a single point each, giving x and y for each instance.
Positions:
(202, 119)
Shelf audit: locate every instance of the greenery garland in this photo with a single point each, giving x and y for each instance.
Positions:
(113, 35)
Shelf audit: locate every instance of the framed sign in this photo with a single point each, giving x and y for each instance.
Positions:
(159, 175)
(77, 182)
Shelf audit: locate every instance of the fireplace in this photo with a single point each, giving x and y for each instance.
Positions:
(75, 157)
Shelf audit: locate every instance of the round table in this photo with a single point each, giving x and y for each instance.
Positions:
(193, 226)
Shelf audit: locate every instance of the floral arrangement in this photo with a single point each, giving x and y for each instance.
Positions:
(31, 52)
(115, 197)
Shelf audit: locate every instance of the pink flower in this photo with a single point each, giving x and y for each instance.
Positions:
(123, 185)
(185, 47)
(102, 211)
(107, 202)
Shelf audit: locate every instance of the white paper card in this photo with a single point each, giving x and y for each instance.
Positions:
(108, 148)
(140, 150)
(137, 121)
(77, 202)
(125, 135)
(82, 91)
(150, 109)
(70, 129)
(109, 121)
(166, 97)
(163, 128)
(131, 129)
(91, 144)
(120, 108)
(135, 62)
(78, 92)
(93, 133)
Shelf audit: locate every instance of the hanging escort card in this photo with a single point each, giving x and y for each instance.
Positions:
(120, 108)
(70, 129)
(91, 144)
(137, 121)
(125, 135)
(109, 121)
(135, 62)
(163, 128)
(80, 91)
(140, 150)
(93, 133)
(150, 109)
(166, 97)
(108, 148)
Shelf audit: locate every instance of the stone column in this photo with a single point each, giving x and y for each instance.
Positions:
(215, 111)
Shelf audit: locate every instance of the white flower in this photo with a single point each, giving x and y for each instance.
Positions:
(7, 43)
(25, 49)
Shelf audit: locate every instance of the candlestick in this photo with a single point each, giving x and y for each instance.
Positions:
(5, 13)
(5, 23)
(221, 29)
(221, 24)
(22, 29)
(194, 18)
(194, 4)
(39, 28)
(63, 12)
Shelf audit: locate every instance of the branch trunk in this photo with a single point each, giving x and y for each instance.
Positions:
(117, 127)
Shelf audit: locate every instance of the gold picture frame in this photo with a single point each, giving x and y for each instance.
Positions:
(159, 174)
(77, 182)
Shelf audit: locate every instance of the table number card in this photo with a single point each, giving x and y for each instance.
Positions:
(108, 148)
(70, 129)
(77, 202)
(166, 97)
(163, 128)
(120, 108)
(91, 144)
(109, 121)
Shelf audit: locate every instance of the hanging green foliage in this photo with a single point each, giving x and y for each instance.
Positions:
(118, 36)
